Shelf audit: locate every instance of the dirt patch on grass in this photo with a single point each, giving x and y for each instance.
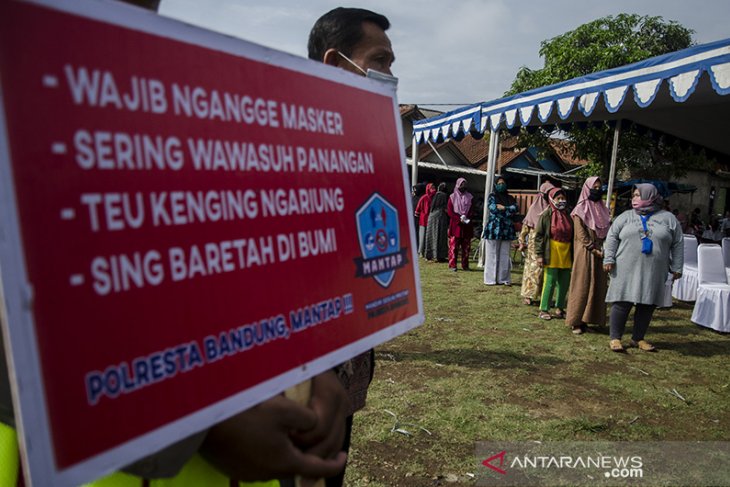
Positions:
(411, 464)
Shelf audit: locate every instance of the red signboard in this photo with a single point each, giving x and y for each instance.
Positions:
(191, 224)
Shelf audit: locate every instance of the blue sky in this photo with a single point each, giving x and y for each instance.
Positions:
(458, 52)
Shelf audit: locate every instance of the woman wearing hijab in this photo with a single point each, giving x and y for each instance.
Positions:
(499, 233)
(460, 211)
(588, 280)
(437, 240)
(553, 239)
(531, 272)
(422, 209)
(642, 246)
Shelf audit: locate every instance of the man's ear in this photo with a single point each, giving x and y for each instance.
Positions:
(331, 57)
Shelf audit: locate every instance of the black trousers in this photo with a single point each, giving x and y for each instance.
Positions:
(620, 313)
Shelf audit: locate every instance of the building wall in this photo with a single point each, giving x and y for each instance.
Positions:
(705, 182)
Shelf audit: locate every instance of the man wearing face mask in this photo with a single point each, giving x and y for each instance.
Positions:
(353, 39)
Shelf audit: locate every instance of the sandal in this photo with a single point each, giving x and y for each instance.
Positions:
(544, 315)
(577, 330)
(616, 346)
(560, 315)
(643, 345)
(527, 301)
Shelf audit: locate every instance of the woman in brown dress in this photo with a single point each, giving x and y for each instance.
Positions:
(588, 281)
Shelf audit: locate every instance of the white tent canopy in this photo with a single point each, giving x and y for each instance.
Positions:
(682, 94)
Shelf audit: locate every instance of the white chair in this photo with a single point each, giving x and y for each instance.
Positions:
(726, 251)
(712, 307)
(685, 288)
(726, 255)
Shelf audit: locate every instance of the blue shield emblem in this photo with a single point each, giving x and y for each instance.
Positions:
(379, 236)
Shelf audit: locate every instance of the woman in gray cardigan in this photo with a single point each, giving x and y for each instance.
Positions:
(642, 246)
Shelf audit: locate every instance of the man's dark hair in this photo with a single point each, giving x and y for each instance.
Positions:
(341, 29)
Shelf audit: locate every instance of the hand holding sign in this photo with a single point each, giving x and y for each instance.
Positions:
(257, 444)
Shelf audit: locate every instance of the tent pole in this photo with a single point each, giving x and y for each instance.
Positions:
(612, 173)
(491, 164)
(414, 167)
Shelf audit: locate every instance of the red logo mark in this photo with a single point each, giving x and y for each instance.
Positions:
(488, 462)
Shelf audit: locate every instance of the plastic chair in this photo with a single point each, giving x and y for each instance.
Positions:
(726, 255)
(685, 288)
(690, 251)
(726, 251)
(712, 307)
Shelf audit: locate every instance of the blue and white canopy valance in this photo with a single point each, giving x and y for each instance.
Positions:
(462, 121)
(682, 93)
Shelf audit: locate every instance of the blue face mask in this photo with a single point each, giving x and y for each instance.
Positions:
(560, 205)
(501, 187)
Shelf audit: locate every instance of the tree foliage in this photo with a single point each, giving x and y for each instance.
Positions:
(607, 43)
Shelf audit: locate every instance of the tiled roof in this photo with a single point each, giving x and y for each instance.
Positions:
(507, 154)
(475, 150)
(564, 150)
(416, 112)
(406, 109)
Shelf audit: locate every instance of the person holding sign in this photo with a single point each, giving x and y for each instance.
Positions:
(168, 301)
(353, 39)
(277, 438)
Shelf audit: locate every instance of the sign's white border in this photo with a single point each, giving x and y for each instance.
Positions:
(17, 294)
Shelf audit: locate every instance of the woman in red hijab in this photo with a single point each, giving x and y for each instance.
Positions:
(422, 210)
(553, 242)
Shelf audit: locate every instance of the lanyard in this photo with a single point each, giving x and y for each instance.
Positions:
(644, 219)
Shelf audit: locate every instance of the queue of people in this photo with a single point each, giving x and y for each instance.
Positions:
(568, 255)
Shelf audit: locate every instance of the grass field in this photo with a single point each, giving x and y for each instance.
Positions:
(484, 368)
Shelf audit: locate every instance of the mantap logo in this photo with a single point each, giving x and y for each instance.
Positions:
(488, 462)
(378, 233)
